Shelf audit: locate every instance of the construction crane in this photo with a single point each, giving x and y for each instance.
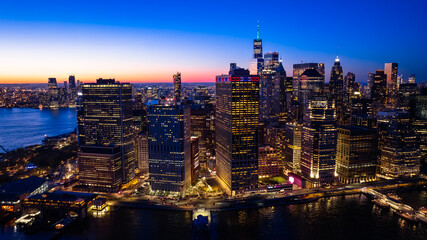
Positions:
(4, 149)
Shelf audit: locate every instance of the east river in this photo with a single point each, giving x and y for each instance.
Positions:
(21, 127)
(343, 217)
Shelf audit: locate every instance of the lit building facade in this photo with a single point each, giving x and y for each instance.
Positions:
(258, 62)
(390, 69)
(309, 82)
(400, 150)
(268, 164)
(142, 152)
(169, 147)
(336, 85)
(107, 155)
(177, 86)
(195, 161)
(236, 131)
(379, 88)
(356, 154)
(293, 135)
(318, 144)
(202, 125)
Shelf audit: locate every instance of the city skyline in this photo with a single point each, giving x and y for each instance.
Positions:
(147, 43)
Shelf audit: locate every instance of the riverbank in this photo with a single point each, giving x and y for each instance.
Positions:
(266, 199)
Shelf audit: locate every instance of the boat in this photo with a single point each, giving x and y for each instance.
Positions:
(59, 226)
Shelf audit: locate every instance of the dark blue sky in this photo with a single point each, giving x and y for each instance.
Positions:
(208, 35)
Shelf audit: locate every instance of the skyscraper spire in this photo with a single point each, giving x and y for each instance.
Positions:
(337, 59)
(257, 29)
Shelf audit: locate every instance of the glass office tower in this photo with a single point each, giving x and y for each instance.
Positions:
(237, 122)
(318, 144)
(107, 155)
(169, 147)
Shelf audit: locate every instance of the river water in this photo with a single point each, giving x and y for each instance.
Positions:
(343, 217)
(20, 127)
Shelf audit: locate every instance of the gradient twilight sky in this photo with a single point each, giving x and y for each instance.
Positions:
(147, 41)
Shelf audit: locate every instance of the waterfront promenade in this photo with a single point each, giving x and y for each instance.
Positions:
(264, 199)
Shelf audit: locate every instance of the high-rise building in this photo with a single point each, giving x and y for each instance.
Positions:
(195, 162)
(258, 61)
(356, 154)
(318, 144)
(406, 96)
(293, 134)
(399, 80)
(349, 83)
(177, 86)
(400, 150)
(202, 125)
(420, 121)
(268, 165)
(66, 86)
(236, 131)
(142, 152)
(309, 83)
(72, 82)
(411, 78)
(370, 84)
(169, 147)
(107, 155)
(336, 85)
(390, 69)
(272, 88)
(379, 88)
(271, 60)
(52, 88)
(298, 70)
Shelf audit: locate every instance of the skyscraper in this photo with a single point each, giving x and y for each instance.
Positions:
(411, 78)
(106, 156)
(272, 87)
(299, 69)
(52, 88)
(177, 86)
(319, 139)
(142, 152)
(169, 147)
(370, 83)
(293, 146)
(309, 82)
(258, 61)
(271, 60)
(237, 122)
(195, 162)
(390, 69)
(400, 151)
(379, 88)
(356, 154)
(72, 82)
(336, 90)
(349, 83)
(268, 162)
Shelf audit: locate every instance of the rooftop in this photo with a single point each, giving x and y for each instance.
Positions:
(25, 185)
(64, 196)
